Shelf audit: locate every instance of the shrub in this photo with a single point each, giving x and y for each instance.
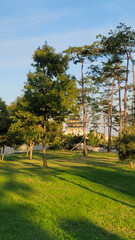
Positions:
(127, 145)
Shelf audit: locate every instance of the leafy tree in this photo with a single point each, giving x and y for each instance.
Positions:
(5, 122)
(78, 55)
(54, 135)
(127, 145)
(26, 126)
(119, 47)
(93, 138)
(133, 71)
(94, 113)
(51, 93)
(105, 76)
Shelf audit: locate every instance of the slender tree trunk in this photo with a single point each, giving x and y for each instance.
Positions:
(133, 89)
(132, 163)
(104, 131)
(31, 149)
(27, 152)
(110, 135)
(3, 153)
(84, 116)
(110, 120)
(133, 70)
(125, 95)
(44, 150)
(119, 88)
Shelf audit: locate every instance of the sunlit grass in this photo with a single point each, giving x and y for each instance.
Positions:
(74, 198)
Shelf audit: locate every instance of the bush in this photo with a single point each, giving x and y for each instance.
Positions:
(71, 141)
(127, 145)
(93, 138)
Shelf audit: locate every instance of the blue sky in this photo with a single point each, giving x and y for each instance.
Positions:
(27, 24)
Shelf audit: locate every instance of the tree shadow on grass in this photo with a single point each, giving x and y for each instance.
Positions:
(122, 181)
(107, 173)
(86, 230)
(16, 223)
(97, 192)
(16, 219)
(15, 157)
(96, 171)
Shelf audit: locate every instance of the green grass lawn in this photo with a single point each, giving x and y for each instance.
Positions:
(74, 198)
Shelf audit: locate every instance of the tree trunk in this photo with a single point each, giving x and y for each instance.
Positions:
(104, 131)
(132, 163)
(119, 88)
(31, 149)
(84, 115)
(133, 89)
(108, 123)
(27, 152)
(125, 96)
(133, 70)
(44, 150)
(110, 120)
(3, 153)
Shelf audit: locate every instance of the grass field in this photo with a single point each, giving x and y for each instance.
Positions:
(74, 198)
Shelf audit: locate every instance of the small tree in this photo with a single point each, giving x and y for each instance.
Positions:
(54, 135)
(5, 122)
(93, 138)
(127, 145)
(25, 124)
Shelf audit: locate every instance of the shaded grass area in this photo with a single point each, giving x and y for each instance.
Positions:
(74, 198)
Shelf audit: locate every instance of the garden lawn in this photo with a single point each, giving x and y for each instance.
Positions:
(74, 198)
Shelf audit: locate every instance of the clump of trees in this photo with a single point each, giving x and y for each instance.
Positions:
(111, 61)
(50, 94)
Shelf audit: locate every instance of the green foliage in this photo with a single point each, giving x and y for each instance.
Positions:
(5, 123)
(51, 99)
(46, 60)
(50, 92)
(94, 113)
(54, 135)
(71, 140)
(26, 127)
(127, 144)
(93, 138)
